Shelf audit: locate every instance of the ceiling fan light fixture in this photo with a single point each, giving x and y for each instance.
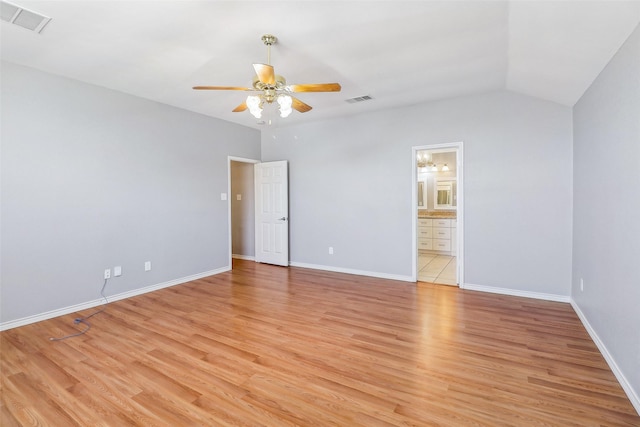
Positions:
(273, 87)
(254, 104)
(285, 102)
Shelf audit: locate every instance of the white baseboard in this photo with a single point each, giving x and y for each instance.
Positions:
(626, 385)
(90, 304)
(516, 293)
(247, 257)
(352, 271)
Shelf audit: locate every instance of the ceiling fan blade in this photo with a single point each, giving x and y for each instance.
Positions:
(221, 88)
(300, 106)
(316, 87)
(265, 73)
(240, 108)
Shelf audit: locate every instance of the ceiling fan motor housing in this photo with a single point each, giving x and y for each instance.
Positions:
(270, 91)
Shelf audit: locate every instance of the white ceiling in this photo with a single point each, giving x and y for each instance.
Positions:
(400, 53)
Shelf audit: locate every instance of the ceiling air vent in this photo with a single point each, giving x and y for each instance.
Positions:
(359, 99)
(22, 17)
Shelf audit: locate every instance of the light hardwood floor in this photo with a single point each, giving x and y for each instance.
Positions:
(272, 346)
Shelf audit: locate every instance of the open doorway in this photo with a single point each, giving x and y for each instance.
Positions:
(241, 209)
(438, 196)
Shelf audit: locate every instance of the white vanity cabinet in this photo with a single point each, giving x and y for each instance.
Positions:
(437, 234)
(425, 234)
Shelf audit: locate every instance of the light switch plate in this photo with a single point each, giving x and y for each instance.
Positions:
(223, 196)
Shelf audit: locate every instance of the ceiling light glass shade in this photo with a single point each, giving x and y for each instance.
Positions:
(435, 168)
(253, 103)
(285, 105)
(445, 167)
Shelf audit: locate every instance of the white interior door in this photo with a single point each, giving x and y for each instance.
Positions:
(272, 212)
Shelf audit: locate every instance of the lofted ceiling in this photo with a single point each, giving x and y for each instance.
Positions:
(399, 53)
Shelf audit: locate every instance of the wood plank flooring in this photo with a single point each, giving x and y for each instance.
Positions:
(271, 346)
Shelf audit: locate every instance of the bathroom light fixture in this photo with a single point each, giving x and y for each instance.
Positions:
(424, 160)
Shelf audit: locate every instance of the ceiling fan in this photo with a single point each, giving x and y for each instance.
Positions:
(273, 87)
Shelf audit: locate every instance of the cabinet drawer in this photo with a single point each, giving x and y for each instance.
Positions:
(454, 223)
(425, 232)
(441, 233)
(441, 223)
(441, 245)
(424, 222)
(425, 244)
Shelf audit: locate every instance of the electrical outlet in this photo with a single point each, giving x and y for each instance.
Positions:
(147, 266)
(330, 250)
(117, 271)
(107, 273)
(581, 284)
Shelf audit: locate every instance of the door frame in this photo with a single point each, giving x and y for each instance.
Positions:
(459, 209)
(229, 200)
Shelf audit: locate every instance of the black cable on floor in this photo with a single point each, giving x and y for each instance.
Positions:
(83, 320)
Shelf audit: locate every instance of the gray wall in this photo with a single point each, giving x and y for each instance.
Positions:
(606, 244)
(242, 211)
(351, 188)
(93, 178)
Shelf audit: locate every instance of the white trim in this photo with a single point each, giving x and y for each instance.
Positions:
(229, 160)
(352, 271)
(516, 292)
(460, 213)
(459, 146)
(247, 257)
(626, 385)
(414, 213)
(111, 298)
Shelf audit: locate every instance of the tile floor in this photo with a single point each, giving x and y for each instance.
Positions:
(439, 269)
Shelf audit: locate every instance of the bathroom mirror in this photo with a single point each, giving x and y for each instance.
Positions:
(444, 194)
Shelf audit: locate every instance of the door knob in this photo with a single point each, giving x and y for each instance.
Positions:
(284, 218)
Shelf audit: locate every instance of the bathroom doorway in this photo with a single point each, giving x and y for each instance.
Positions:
(438, 225)
(241, 208)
